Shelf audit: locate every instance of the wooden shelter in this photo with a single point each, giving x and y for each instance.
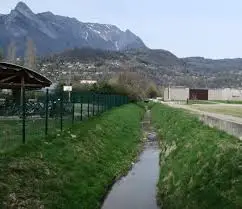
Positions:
(18, 77)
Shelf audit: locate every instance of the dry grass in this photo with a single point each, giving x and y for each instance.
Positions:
(234, 110)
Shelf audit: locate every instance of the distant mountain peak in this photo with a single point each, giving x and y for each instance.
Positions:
(22, 7)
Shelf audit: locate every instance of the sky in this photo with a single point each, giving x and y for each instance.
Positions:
(207, 28)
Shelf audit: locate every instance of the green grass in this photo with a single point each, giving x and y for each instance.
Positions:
(191, 102)
(201, 168)
(11, 129)
(230, 102)
(74, 170)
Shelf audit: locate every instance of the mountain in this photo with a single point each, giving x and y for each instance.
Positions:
(201, 64)
(158, 57)
(53, 33)
(160, 66)
(111, 49)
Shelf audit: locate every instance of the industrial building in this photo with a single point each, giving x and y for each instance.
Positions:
(183, 93)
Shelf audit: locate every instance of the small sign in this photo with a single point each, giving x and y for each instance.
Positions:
(67, 88)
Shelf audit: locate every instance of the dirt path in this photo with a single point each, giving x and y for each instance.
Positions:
(137, 190)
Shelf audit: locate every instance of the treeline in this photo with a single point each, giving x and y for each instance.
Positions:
(84, 55)
(131, 84)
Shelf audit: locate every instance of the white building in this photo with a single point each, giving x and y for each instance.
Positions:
(176, 93)
(225, 94)
(183, 93)
(88, 81)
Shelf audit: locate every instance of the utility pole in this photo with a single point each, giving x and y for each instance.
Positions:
(69, 83)
(169, 91)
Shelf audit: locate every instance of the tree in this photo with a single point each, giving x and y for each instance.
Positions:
(11, 57)
(131, 84)
(152, 91)
(30, 55)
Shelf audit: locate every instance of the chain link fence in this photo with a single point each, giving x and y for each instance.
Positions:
(34, 115)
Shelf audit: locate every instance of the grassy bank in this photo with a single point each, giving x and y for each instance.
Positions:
(73, 170)
(200, 167)
(229, 102)
(191, 102)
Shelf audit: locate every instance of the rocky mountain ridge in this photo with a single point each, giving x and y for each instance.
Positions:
(53, 33)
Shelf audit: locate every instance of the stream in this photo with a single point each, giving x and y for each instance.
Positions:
(137, 190)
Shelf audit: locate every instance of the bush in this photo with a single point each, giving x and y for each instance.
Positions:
(152, 91)
(200, 166)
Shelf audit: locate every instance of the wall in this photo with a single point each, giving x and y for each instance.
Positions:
(182, 93)
(216, 94)
(176, 93)
(230, 127)
(225, 94)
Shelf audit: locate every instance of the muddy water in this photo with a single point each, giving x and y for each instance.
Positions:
(137, 190)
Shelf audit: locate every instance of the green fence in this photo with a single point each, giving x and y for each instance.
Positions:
(32, 115)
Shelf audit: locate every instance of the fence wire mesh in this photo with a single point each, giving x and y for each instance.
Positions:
(34, 115)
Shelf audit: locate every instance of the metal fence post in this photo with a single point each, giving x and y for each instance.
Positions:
(61, 110)
(93, 105)
(102, 108)
(88, 106)
(81, 108)
(119, 100)
(73, 113)
(46, 111)
(98, 105)
(117, 97)
(115, 101)
(108, 102)
(105, 102)
(111, 101)
(23, 115)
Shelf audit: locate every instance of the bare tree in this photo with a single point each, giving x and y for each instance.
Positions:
(30, 55)
(11, 57)
(131, 84)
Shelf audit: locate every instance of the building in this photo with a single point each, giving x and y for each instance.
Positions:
(183, 93)
(176, 93)
(90, 82)
(225, 94)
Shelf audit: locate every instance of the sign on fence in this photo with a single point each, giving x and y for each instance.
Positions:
(67, 88)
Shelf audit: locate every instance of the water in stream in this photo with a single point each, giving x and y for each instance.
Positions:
(137, 190)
